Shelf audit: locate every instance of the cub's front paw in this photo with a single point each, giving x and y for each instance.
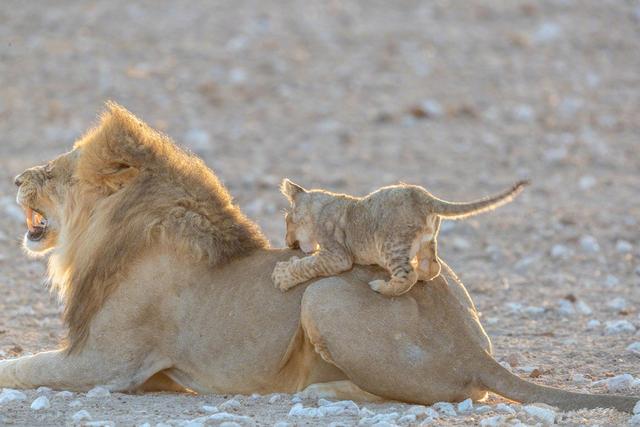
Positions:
(281, 277)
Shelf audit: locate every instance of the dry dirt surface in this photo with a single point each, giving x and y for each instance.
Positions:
(461, 97)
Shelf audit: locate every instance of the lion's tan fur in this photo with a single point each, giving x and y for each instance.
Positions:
(133, 189)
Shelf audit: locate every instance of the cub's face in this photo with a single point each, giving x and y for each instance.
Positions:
(42, 193)
(300, 230)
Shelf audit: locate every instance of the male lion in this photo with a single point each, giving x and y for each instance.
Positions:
(167, 285)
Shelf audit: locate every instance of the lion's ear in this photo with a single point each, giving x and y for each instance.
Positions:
(291, 189)
(117, 175)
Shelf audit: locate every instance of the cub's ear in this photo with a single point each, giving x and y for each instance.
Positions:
(117, 175)
(291, 190)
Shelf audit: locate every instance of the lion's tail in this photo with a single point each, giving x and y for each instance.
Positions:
(499, 380)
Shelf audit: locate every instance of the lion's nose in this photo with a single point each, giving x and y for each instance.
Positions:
(18, 180)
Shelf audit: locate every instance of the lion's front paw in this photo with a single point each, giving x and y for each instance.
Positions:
(377, 285)
(281, 276)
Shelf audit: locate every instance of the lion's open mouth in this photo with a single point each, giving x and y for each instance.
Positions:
(36, 223)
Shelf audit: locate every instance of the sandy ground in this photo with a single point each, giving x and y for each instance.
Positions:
(461, 97)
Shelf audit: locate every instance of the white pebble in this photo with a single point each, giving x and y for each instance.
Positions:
(565, 307)
(589, 244)
(620, 383)
(497, 421)
(388, 418)
(634, 348)
(583, 308)
(81, 416)
(503, 407)
(636, 408)
(423, 411)
(198, 140)
(465, 406)
(40, 403)
(296, 399)
(617, 304)
(225, 416)
(611, 281)
(615, 327)
(482, 409)
(75, 403)
(231, 404)
(207, 408)
(230, 424)
(623, 247)
(9, 395)
(407, 419)
(101, 423)
(579, 379)
(366, 412)
(43, 390)
(635, 420)
(64, 394)
(524, 113)
(282, 424)
(593, 324)
(98, 392)
(432, 108)
(445, 408)
(560, 251)
(546, 32)
(273, 399)
(545, 415)
(586, 182)
(533, 310)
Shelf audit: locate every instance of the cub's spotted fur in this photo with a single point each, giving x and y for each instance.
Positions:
(395, 227)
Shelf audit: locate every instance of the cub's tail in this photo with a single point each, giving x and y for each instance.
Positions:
(453, 210)
(499, 380)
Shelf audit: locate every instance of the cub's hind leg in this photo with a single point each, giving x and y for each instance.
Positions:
(397, 256)
(428, 264)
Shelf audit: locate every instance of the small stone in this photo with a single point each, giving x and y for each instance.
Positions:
(587, 182)
(545, 415)
(583, 308)
(64, 394)
(589, 244)
(524, 113)
(546, 32)
(532, 310)
(466, 405)
(75, 403)
(421, 411)
(623, 247)
(503, 407)
(238, 75)
(273, 399)
(611, 281)
(98, 392)
(445, 408)
(635, 420)
(198, 140)
(497, 421)
(615, 327)
(407, 419)
(211, 409)
(634, 348)
(282, 424)
(566, 307)
(560, 251)
(81, 416)
(514, 307)
(620, 383)
(432, 108)
(579, 379)
(617, 304)
(9, 395)
(101, 423)
(636, 408)
(296, 399)
(231, 404)
(482, 409)
(43, 390)
(40, 403)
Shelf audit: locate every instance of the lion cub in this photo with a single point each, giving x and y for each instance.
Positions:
(395, 227)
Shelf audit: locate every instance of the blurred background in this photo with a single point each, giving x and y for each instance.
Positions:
(463, 98)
